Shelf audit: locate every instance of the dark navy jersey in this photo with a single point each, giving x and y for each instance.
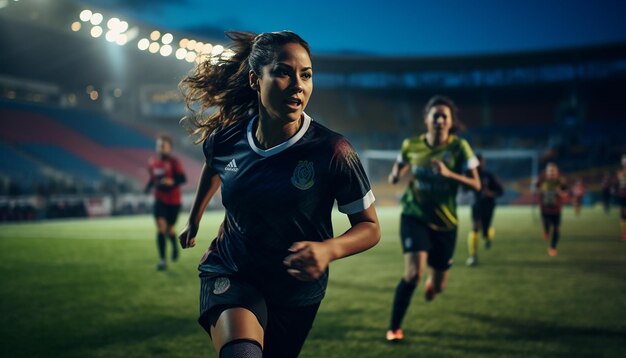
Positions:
(275, 197)
(488, 181)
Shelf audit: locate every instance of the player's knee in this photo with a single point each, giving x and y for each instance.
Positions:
(241, 348)
(413, 276)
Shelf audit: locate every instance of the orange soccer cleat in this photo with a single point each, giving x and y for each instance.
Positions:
(394, 335)
(552, 251)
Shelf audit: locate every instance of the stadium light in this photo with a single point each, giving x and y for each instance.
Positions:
(111, 36)
(143, 44)
(166, 50)
(85, 15)
(154, 35)
(122, 26)
(190, 57)
(198, 47)
(117, 31)
(191, 44)
(93, 95)
(181, 53)
(121, 40)
(154, 47)
(112, 23)
(96, 31)
(167, 38)
(96, 18)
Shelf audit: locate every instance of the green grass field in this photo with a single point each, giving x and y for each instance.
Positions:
(89, 288)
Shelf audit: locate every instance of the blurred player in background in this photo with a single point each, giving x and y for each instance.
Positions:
(482, 211)
(578, 192)
(552, 190)
(166, 177)
(265, 274)
(438, 162)
(607, 185)
(621, 194)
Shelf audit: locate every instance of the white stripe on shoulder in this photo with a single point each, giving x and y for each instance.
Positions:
(358, 205)
(399, 159)
(472, 163)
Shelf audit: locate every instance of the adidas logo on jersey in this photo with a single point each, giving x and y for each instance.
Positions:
(232, 166)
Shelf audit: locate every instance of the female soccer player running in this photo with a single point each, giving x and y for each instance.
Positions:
(552, 191)
(438, 161)
(482, 211)
(166, 177)
(264, 275)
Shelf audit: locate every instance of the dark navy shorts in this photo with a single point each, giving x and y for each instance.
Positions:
(166, 211)
(285, 328)
(417, 236)
(551, 219)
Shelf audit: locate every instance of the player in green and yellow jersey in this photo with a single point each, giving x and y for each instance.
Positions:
(438, 162)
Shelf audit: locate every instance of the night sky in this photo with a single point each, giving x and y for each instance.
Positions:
(398, 28)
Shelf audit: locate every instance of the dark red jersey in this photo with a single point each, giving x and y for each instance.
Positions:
(166, 167)
(551, 192)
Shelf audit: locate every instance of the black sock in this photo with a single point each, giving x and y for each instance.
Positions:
(241, 348)
(555, 238)
(174, 247)
(401, 301)
(161, 245)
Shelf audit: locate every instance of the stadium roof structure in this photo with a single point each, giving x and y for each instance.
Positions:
(38, 45)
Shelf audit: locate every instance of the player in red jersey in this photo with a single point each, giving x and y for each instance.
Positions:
(552, 190)
(166, 177)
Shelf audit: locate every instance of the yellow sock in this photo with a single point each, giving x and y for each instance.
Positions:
(491, 233)
(472, 242)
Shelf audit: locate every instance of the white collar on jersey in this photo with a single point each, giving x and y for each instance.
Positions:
(282, 146)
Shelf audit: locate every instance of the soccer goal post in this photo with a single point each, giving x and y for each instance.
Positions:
(517, 169)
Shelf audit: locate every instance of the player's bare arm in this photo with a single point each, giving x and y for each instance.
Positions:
(207, 186)
(472, 181)
(310, 259)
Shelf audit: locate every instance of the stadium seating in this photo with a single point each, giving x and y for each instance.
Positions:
(85, 142)
(64, 161)
(20, 167)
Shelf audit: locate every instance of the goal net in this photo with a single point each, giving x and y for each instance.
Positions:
(517, 170)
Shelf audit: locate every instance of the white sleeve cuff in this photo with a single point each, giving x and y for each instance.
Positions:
(472, 163)
(399, 159)
(358, 205)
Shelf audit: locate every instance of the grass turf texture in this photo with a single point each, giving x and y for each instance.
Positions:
(89, 288)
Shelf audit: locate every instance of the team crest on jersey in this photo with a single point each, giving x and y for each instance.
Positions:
(221, 285)
(304, 175)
